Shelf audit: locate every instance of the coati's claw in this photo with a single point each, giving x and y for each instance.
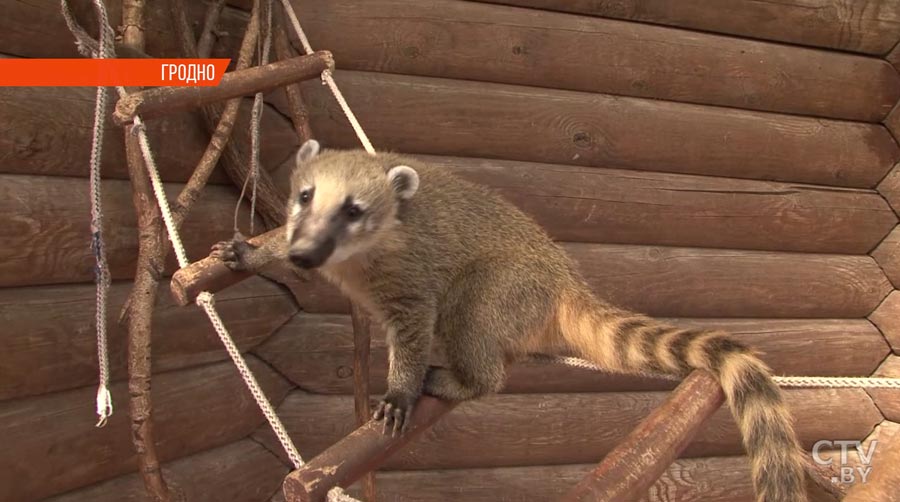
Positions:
(395, 411)
(233, 252)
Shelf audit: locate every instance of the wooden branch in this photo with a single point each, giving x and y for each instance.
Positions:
(296, 109)
(638, 461)
(161, 101)
(358, 453)
(362, 343)
(270, 201)
(210, 274)
(207, 34)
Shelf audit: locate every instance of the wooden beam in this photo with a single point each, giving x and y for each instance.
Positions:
(237, 472)
(617, 206)
(45, 227)
(888, 400)
(559, 428)
(641, 458)
(161, 101)
(358, 453)
(871, 30)
(887, 318)
(883, 482)
(887, 254)
(525, 47)
(47, 130)
(596, 130)
(315, 351)
(53, 328)
(195, 409)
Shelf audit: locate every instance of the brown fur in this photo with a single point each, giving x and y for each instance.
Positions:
(457, 265)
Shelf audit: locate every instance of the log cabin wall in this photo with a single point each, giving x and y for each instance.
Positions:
(720, 166)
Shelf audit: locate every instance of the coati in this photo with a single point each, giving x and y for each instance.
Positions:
(435, 258)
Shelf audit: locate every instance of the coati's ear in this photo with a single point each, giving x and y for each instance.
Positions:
(306, 152)
(404, 180)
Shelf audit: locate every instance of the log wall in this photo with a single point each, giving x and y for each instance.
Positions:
(722, 164)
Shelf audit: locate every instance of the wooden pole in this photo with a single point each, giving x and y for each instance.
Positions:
(637, 462)
(362, 344)
(362, 451)
(161, 101)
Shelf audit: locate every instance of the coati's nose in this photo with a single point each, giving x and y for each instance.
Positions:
(312, 257)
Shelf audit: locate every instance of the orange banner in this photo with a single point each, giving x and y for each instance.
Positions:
(112, 72)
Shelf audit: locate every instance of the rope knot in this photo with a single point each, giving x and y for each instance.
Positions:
(205, 298)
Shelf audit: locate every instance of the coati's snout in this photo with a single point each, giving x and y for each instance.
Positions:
(314, 256)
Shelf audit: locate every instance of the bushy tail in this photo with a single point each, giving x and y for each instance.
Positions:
(623, 341)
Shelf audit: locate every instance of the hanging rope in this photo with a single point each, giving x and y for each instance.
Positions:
(102, 50)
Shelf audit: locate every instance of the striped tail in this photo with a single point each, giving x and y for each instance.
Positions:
(628, 342)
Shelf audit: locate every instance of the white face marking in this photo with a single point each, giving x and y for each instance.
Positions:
(295, 210)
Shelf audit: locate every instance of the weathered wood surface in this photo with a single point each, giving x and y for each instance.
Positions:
(50, 340)
(364, 450)
(889, 188)
(194, 410)
(635, 464)
(887, 254)
(46, 228)
(36, 28)
(883, 483)
(446, 38)
(615, 206)
(559, 428)
(887, 318)
(568, 127)
(888, 400)
(161, 101)
(242, 471)
(315, 351)
(689, 282)
(48, 130)
(868, 27)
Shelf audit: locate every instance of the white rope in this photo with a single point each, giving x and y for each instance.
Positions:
(328, 80)
(782, 381)
(103, 49)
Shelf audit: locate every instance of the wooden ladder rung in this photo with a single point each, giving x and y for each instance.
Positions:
(210, 274)
(161, 101)
(627, 472)
(364, 450)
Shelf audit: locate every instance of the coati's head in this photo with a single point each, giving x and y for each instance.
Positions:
(342, 203)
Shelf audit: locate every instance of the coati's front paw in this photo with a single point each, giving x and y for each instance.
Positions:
(233, 253)
(395, 408)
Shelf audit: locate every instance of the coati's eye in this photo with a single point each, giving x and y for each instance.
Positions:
(354, 212)
(305, 196)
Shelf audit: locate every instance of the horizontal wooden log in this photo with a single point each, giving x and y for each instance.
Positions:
(242, 471)
(567, 127)
(614, 206)
(888, 400)
(210, 274)
(45, 225)
(536, 429)
(194, 410)
(887, 318)
(48, 130)
(716, 479)
(50, 343)
(883, 482)
(869, 28)
(37, 29)
(161, 101)
(689, 282)
(887, 254)
(315, 351)
(437, 38)
(889, 188)
(633, 466)
(364, 450)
